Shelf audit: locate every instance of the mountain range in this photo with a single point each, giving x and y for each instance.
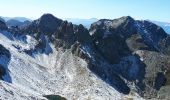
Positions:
(115, 59)
(17, 21)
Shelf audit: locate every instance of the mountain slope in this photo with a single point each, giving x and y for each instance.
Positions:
(14, 23)
(59, 73)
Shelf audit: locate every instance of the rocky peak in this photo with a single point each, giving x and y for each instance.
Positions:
(47, 24)
(110, 37)
(127, 18)
(83, 35)
(123, 26)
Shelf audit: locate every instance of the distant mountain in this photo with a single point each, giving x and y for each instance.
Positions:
(164, 25)
(21, 19)
(14, 22)
(85, 22)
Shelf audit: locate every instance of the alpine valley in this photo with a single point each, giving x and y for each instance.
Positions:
(53, 59)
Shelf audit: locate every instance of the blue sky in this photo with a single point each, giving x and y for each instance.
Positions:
(139, 9)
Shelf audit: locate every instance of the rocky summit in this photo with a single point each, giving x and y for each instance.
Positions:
(119, 59)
